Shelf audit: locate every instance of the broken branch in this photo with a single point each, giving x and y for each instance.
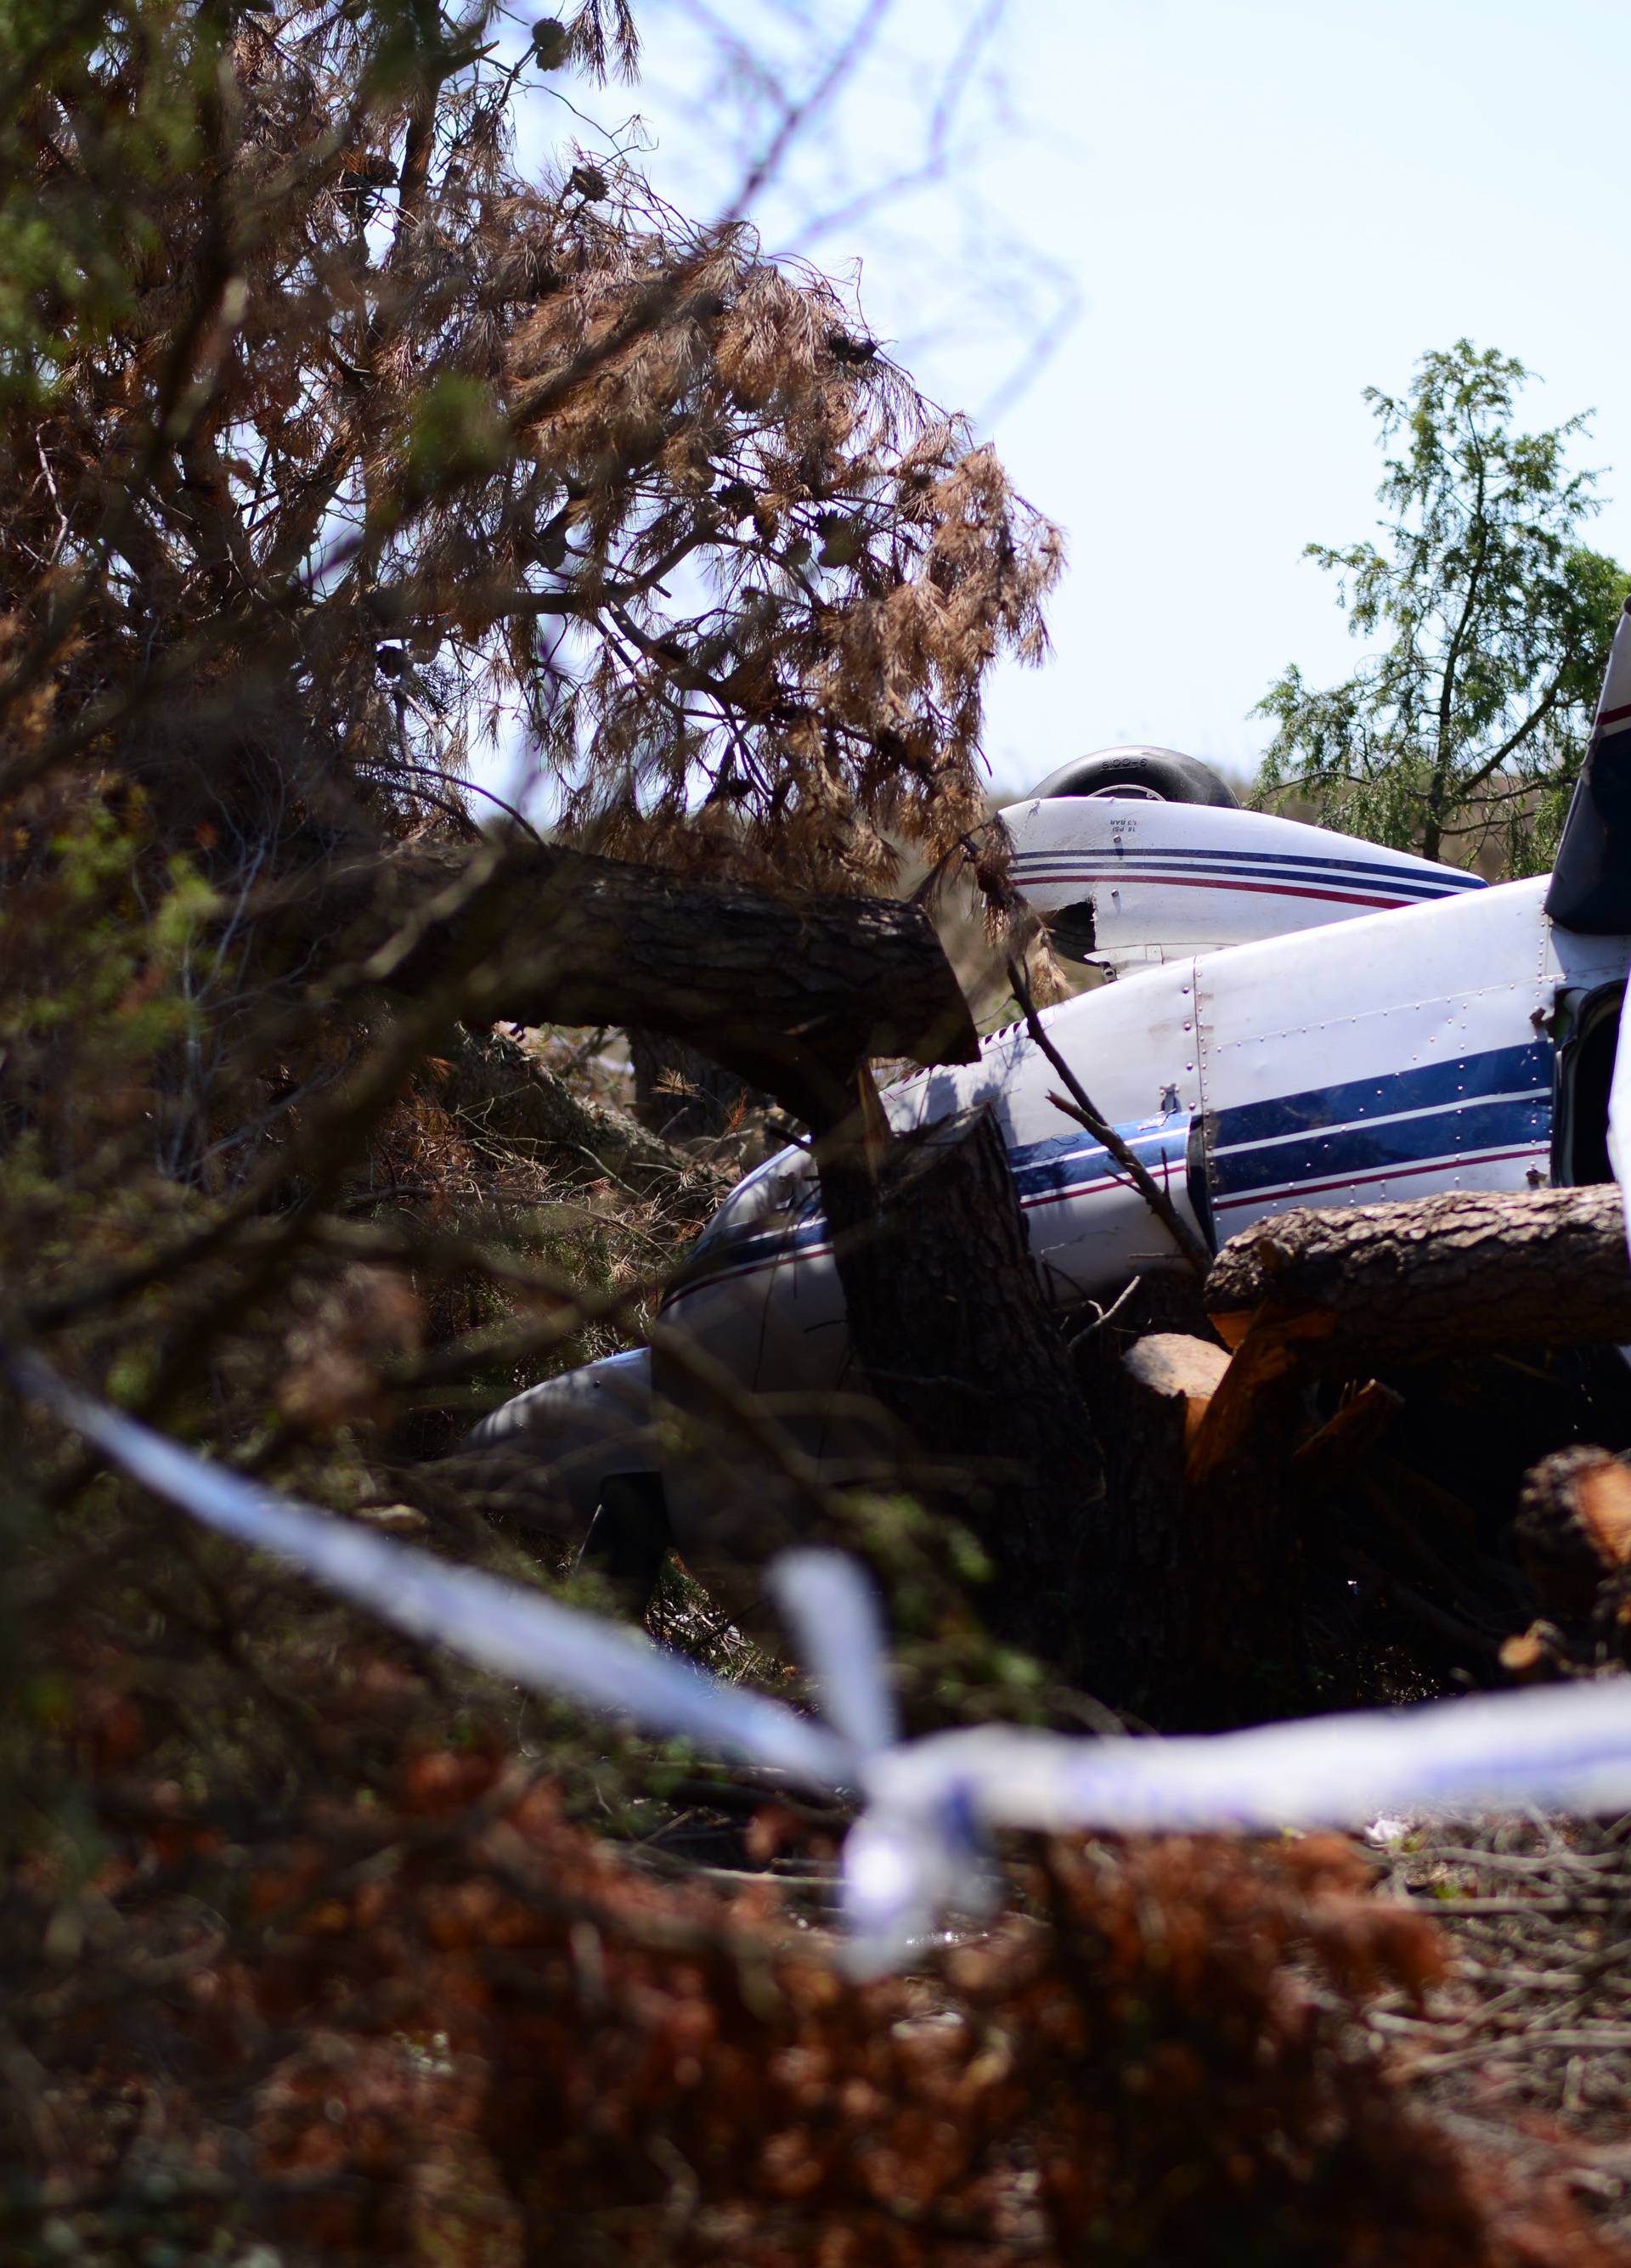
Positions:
(791, 992)
(1078, 1105)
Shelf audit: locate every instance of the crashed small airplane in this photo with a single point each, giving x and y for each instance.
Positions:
(1299, 1017)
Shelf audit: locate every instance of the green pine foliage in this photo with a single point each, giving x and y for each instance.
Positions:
(1487, 623)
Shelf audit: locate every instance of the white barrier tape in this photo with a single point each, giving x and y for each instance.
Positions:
(837, 1632)
(504, 1627)
(919, 1846)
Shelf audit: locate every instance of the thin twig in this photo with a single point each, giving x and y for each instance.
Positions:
(1521, 2043)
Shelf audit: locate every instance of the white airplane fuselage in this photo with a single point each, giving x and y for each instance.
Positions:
(1302, 1019)
(1386, 1056)
(1435, 1047)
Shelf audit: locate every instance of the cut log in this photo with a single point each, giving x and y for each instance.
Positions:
(1444, 1276)
(790, 993)
(1171, 1363)
(1537, 1656)
(1256, 1399)
(1574, 1528)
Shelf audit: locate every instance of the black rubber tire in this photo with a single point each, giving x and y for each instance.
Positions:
(1157, 775)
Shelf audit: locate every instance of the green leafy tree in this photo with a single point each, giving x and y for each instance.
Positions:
(1461, 733)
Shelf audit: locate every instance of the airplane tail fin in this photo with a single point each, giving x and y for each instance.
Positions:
(1590, 887)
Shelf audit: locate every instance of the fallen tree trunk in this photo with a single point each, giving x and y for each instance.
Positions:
(1154, 1595)
(1457, 1274)
(795, 995)
(949, 1323)
(792, 993)
(1573, 1532)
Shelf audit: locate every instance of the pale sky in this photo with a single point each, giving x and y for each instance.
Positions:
(1260, 208)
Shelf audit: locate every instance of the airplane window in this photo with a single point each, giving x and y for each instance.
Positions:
(1587, 1069)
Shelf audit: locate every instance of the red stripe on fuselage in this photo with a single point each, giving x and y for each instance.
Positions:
(1274, 1194)
(1164, 1168)
(730, 1272)
(1215, 883)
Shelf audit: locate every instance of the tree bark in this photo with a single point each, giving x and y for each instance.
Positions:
(1167, 1604)
(949, 1323)
(1451, 1275)
(1196, 1571)
(1574, 1528)
(790, 993)
(1132, 1506)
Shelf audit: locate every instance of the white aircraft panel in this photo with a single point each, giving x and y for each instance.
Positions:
(1397, 1055)
(1139, 878)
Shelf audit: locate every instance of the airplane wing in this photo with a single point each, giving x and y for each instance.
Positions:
(1123, 880)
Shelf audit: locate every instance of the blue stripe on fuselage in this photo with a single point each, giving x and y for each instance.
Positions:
(1445, 878)
(1044, 1172)
(1499, 1100)
(1519, 1071)
(1366, 1150)
(1068, 1161)
(737, 1251)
